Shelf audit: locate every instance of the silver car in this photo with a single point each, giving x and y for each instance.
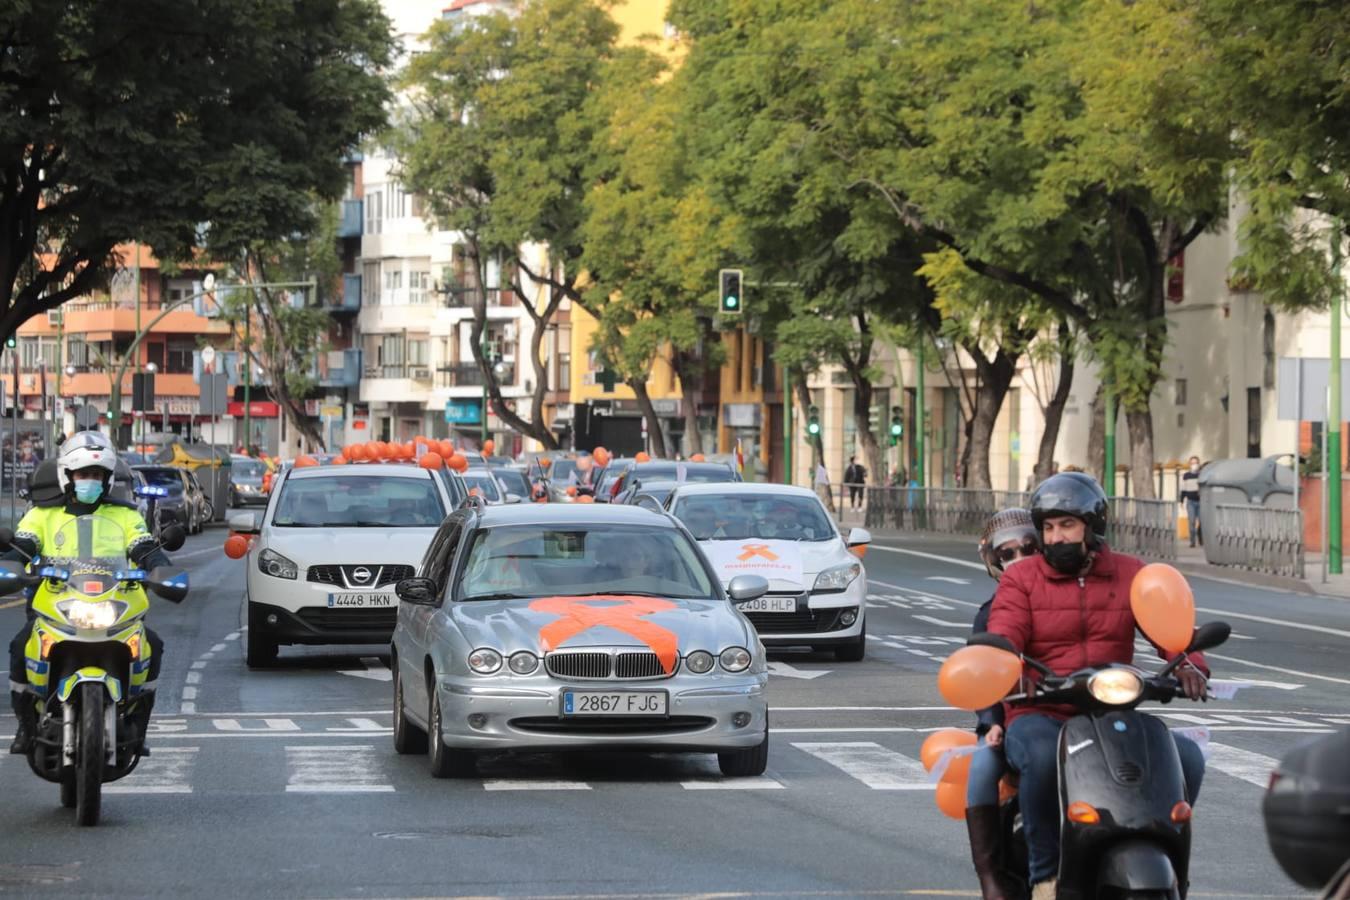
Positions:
(561, 627)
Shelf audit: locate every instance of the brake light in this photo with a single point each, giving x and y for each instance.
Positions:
(1083, 813)
(1181, 813)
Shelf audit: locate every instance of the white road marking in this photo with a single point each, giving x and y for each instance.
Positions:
(189, 693)
(525, 784)
(921, 555)
(168, 771)
(362, 725)
(872, 764)
(1253, 768)
(762, 783)
(1296, 672)
(948, 580)
(199, 664)
(217, 648)
(925, 594)
(334, 769)
(932, 620)
(232, 636)
(787, 671)
(269, 725)
(188, 708)
(194, 678)
(375, 670)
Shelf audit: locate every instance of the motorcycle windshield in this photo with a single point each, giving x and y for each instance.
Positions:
(89, 547)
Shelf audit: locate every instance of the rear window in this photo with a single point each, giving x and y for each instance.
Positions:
(357, 501)
(515, 481)
(162, 477)
(248, 469)
(484, 484)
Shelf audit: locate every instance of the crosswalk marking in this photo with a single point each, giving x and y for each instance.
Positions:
(872, 764)
(168, 771)
(335, 769)
(1253, 768)
(527, 784)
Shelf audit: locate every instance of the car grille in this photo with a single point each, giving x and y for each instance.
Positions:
(385, 575)
(638, 665)
(592, 664)
(614, 725)
(325, 619)
(804, 621)
(578, 665)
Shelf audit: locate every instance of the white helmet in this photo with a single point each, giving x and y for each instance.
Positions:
(83, 450)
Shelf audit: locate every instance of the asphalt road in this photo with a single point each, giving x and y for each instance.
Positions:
(285, 783)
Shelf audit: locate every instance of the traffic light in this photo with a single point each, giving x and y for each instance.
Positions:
(731, 300)
(897, 425)
(813, 421)
(11, 342)
(143, 391)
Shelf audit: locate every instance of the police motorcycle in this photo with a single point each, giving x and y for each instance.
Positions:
(88, 658)
(1125, 825)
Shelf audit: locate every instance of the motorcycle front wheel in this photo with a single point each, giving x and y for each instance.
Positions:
(89, 755)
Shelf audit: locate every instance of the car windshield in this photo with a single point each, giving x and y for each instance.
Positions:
(582, 560)
(248, 470)
(775, 517)
(162, 477)
(483, 483)
(562, 469)
(514, 480)
(358, 501)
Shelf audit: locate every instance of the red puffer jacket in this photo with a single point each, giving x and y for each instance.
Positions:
(1067, 622)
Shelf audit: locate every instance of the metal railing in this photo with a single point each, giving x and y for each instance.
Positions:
(1143, 527)
(1256, 538)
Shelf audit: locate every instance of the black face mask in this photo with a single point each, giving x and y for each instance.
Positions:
(1066, 558)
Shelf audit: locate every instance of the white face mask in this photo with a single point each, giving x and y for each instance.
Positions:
(1195, 467)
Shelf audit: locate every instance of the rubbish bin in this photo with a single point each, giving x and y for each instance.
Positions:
(1242, 482)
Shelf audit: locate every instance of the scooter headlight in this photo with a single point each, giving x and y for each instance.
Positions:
(1115, 687)
(83, 614)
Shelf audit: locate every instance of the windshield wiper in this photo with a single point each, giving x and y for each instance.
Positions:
(620, 594)
(500, 595)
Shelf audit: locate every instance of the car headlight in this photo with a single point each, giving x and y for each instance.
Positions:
(83, 614)
(276, 565)
(838, 578)
(699, 662)
(485, 661)
(1115, 687)
(735, 659)
(522, 662)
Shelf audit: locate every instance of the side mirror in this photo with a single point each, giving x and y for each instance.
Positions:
(172, 538)
(1209, 635)
(858, 539)
(744, 588)
(513, 498)
(418, 591)
(13, 577)
(6, 537)
(169, 582)
(247, 522)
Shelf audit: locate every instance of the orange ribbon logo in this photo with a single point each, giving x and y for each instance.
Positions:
(753, 550)
(620, 613)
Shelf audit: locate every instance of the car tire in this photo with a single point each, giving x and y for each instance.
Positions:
(748, 763)
(259, 653)
(855, 651)
(446, 763)
(408, 738)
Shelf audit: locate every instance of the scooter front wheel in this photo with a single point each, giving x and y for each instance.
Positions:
(89, 755)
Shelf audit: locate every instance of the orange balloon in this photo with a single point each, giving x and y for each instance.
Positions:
(585, 498)
(977, 676)
(431, 461)
(489, 446)
(939, 742)
(643, 456)
(236, 546)
(457, 462)
(698, 457)
(420, 439)
(1164, 606)
(571, 490)
(355, 453)
(951, 799)
(302, 462)
(339, 460)
(601, 456)
(545, 462)
(446, 448)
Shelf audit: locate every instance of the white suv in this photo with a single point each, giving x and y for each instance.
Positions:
(331, 545)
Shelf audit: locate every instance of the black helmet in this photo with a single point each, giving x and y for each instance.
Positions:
(1074, 494)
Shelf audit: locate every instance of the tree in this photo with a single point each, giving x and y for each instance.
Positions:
(498, 137)
(140, 122)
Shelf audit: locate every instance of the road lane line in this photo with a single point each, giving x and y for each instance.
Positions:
(936, 621)
(525, 784)
(1233, 659)
(761, 783)
(1253, 768)
(167, 772)
(919, 593)
(334, 769)
(947, 559)
(872, 764)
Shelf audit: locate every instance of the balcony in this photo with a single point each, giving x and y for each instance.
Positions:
(349, 301)
(460, 375)
(349, 225)
(338, 369)
(458, 296)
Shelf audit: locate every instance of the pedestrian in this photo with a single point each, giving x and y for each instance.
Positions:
(1190, 492)
(855, 476)
(823, 486)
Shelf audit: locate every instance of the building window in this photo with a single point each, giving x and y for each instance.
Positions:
(77, 353)
(154, 352)
(178, 357)
(1181, 392)
(370, 283)
(419, 286)
(374, 212)
(418, 354)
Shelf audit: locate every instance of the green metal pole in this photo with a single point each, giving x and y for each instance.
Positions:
(1333, 424)
(921, 429)
(787, 425)
(1109, 417)
(248, 378)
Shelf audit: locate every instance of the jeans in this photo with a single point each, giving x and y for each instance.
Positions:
(986, 770)
(1193, 520)
(1032, 748)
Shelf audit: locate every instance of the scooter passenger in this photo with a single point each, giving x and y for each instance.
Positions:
(1070, 609)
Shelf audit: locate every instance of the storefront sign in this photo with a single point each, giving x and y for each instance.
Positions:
(742, 415)
(463, 412)
(260, 409)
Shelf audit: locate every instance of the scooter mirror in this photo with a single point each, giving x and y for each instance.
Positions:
(12, 576)
(6, 537)
(989, 639)
(172, 538)
(169, 582)
(1209, 635)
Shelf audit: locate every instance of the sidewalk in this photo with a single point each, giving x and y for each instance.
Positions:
(1190, 561)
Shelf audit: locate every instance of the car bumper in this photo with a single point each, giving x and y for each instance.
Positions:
(818, 623)
(701, 717)
(321, 625)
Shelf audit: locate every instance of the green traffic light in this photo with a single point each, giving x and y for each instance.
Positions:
(731, 302)
(813, 428)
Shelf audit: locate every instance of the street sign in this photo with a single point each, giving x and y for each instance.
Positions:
(463, 412)
(1302, 389)
(208, 356)
(86, 416)
(331, 412)
(215, 394)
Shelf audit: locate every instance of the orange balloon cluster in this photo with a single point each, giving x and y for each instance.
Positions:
(431, 460)
(601, 456)
(950, 795)
(457, 462)
(643, 456)
(489, 446)
(977, 676)
(304, 462)
(698, 457)
(1164, 606)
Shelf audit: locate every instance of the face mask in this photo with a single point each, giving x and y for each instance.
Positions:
(88, 491)
(1066, 558)
(1195, 467)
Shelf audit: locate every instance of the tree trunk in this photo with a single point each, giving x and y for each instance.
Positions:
(1054, 411)
(644, 400)
(686, 368)
(1096, 458)
(995, 377)
(1141, 453)
(817, 446)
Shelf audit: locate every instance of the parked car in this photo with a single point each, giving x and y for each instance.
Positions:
(483, 481)
(513, 482)
(609, 476)
(654, 490)
(246, 482)
(678, 471)
(176, 497)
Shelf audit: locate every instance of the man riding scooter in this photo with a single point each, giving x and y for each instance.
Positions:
(85, 467)
(1070, 609)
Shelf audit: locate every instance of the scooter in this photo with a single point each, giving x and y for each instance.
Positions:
(88, 659)
(1125, 826)
(1307, 814)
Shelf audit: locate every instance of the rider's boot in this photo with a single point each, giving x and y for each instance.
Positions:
(26, 713)
(140, 720)
(984, 825)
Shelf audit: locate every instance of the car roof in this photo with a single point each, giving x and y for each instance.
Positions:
(688, 466)
(571, 514)
(690, 489)
(360, 471)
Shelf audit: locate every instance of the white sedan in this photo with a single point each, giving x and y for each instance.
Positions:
(817, 584)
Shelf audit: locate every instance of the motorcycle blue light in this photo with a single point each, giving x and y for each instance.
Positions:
(1121, 726)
